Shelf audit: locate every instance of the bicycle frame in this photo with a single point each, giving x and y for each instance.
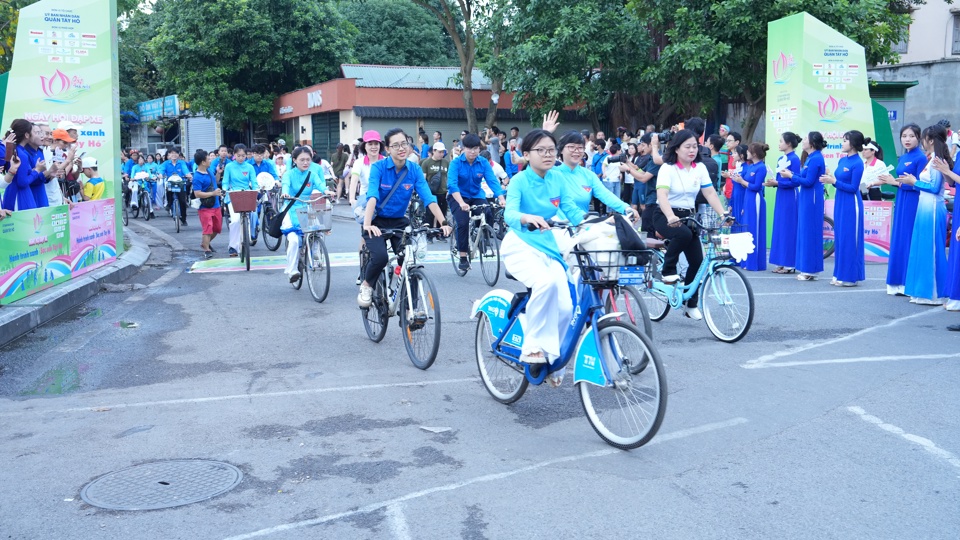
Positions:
(409, 263)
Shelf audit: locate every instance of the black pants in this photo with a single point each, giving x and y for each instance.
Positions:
(463, 220)
(377, 245)
(626, 193)
(682, 240)
(182, 196)
(646, 219)
(442, 203)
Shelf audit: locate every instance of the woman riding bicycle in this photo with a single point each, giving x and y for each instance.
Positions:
(292, 181)
(681, 177)
(536, 195)
(584, 184)
(392, 182)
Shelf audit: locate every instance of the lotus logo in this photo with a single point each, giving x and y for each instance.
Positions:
(832, 109)
(782, 67)
(56, 84)
(37, 223)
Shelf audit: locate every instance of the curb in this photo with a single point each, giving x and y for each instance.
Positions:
(28, 313)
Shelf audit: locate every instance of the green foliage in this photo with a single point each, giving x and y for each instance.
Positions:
(139, 78)
(399, 33)
(572, 53)
(231, 58)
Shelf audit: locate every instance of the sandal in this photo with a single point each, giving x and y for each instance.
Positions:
(806, 277)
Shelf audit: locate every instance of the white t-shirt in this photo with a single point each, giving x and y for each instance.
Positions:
(683, 183)
(611, 171)
(871, 173)
(361, 168)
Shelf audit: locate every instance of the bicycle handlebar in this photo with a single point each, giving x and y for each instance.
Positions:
(727, 220)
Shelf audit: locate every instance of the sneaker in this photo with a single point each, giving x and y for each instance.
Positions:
(671, 279)
(464, 264)
(693, 313)
(183, 222)
(207, 254)
(233, 253)
(295, 277)
(359, 278)
(365, 298)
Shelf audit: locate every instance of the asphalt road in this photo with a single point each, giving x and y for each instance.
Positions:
(836, 417)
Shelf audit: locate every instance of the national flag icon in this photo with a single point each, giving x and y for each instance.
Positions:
(555, 201)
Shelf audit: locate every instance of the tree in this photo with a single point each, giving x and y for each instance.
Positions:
(139, 78)
(397, 32)
(457, 18)
(573, 53)
(718, 48)
(231, 58)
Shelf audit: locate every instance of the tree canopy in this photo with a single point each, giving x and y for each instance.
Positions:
(399, 33)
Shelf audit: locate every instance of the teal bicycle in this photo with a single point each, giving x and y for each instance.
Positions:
(726, 297)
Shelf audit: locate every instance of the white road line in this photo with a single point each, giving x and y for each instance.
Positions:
(169, 276)
(845, 290)
(398, 522)
(174, 243)
(852, 360)
(790, 352)
(483, 479)
(922, 442)
(213, 399)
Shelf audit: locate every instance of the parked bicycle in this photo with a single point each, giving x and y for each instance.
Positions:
(314, 259)
(404, 288)
(726, 297)
(617, 368)
(482, 242)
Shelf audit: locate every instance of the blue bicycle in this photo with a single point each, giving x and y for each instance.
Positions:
(726, 297)
(616, 366)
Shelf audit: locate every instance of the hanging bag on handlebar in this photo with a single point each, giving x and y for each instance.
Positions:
(274, 226)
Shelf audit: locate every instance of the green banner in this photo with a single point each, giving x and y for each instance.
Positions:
(35, 248)
(65, 69)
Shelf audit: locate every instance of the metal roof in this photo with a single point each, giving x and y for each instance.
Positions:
(450, 114)
(438, 78)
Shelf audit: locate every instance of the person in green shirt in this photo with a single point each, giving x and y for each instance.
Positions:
(435, 169)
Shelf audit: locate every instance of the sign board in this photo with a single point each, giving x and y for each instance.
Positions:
(877, 221)
(165, 107)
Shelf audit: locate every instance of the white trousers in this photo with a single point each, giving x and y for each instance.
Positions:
(236, 228)
(293, 246)
(550, 307)
(134, 193)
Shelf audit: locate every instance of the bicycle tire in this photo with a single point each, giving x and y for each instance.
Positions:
(375, 317)
(721, 301)
(421, 347)
(454, 252)
(254, 227)
(503, 379)
(489, 262)
(175, 211)
(318, 270)
(245, 246)
(828, 241)
(633, 307)
(645, 390)
(145, 203)
(272, 243)
(126, 215)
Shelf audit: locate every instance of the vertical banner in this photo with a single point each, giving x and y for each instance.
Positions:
(93, 241)
(35, 249)
(65, 69)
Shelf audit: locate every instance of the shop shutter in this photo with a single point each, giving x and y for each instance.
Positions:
(201, 134)
(326, 133)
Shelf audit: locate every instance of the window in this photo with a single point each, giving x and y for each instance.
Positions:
(900, 47)
(956, 35)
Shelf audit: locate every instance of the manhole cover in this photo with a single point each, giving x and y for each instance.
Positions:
(163, 484)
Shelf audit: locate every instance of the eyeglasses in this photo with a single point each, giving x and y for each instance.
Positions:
(575, 149)
(546, 152)
(399, 146)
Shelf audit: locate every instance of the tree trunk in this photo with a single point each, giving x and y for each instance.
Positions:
(466, 73)
(496, 86)
(754, 114)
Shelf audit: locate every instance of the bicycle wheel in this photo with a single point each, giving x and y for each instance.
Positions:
(134, 210)
(628, 411)
(454, 252)
(254, 227)
(828, 237)
(726, 299)
(632, 304)
(503, 379)
(126, 214)
(375, 317)
(658, 305)
(272, 243)
(175, 211)
(421, 328)
(318, 267)
(489, 256)
(145, 205)
(300, 256)
(245, 246)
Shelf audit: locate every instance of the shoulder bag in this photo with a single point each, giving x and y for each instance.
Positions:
(275, 225)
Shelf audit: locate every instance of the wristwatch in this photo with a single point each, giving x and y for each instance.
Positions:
(443, 223)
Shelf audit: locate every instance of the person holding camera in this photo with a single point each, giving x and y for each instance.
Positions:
(611, 173)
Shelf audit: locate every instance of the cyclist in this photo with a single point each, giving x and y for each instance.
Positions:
(261, 163)
(293, 181)
(238, 175)
(681, 177)
(536, 195)
(174, 167)
(371, 152)
(464, 178)
(585, 185)
(384, 177)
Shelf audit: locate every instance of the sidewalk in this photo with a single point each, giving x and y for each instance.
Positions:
(24, 315)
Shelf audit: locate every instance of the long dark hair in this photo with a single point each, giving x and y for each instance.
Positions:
(855, 138)
(21, 128)
(912, 127)
(938, 134)
(791, 138)
(815, 138)
(682, 136)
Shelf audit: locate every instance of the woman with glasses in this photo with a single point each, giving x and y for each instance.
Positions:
(536, 195)
(583, 183)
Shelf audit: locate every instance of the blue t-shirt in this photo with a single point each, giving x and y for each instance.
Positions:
(266, 166)
(383, 176)
(465, 178)
(170, 168)
(206, 182)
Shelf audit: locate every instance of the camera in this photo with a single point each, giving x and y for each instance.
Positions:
(665, 136)
(617, 159)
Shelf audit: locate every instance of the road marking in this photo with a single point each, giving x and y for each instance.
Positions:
(169, 276)
(852, 360)
(845, 290)
(174, 243)
(398, 522)
(683, 433)
(213, 399)
(922, 442)
(279, 262)
(790, 352)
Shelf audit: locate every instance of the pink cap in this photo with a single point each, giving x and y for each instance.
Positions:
(371, 135)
